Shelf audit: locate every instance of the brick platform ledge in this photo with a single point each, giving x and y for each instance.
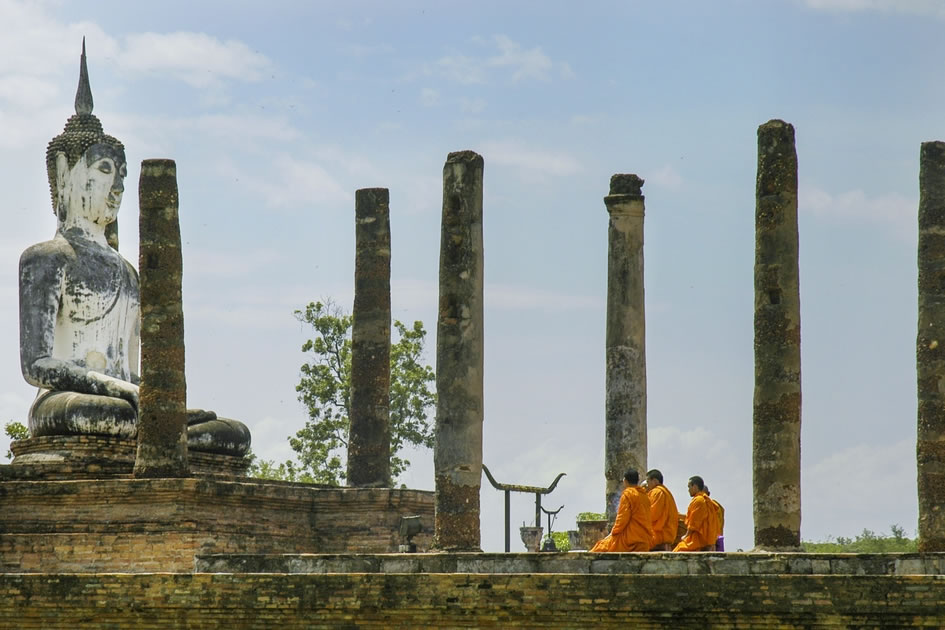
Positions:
(582, 563)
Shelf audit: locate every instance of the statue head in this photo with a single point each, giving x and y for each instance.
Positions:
(82, 156)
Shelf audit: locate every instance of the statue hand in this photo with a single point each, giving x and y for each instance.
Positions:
(116, 388)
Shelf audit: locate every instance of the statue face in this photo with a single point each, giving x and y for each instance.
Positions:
(95, 184)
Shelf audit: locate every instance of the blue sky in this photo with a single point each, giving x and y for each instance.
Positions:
(276, 113)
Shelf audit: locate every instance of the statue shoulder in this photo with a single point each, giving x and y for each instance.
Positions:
(52, 255)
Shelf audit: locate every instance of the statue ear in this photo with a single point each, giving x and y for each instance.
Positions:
(62, 176)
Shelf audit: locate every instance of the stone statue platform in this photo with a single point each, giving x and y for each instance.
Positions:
(159, 525)
(99, 456)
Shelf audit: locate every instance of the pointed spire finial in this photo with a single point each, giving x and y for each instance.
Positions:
(83, 95)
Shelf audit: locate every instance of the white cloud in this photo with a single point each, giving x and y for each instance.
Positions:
(27, 129)
(915, 7)
(472, 105)
(35, 43)
(422, 194)
(27, 92)
(698, 438)
(525, 64)
(585, 119)
(842, 492)
(195, 58)
(522, 63)
(248, 315)
(429, 97)
(244, 127)
(412, 295)
(462, 69)
(510, 153)
(366, 50)
(890, 209)
(289, 183)
(665, 177)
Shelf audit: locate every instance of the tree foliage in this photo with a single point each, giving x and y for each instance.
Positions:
(562, 542)
(15, 431)
(325, 390)
(866, 542)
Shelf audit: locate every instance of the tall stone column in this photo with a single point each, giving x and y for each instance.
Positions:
(776, 445)
(457, 456)
(162, 399)
(930, 348)
(625, 385)
(369, 439)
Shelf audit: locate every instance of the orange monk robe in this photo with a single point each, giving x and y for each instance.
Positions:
(664, 515)
(633, 528)
(702, 521)
(721, 513)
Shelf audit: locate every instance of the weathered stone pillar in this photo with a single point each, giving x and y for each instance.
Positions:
(457, 456)
(369, 439)
(625, 387)
(162, 404)
(930, 348)
(776, 445)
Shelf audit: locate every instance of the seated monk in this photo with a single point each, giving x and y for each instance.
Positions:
(663, 512)
(633, 529)
(79, 300)
(720, 543)
(702, 520)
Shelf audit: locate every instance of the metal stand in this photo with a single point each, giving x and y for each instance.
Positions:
(549, 544)
(511, 487)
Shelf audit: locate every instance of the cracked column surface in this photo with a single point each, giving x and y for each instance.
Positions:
(625, 387)
(776, 440)
(930, 348)
(457, 455)
(162, 398)
(369, 438)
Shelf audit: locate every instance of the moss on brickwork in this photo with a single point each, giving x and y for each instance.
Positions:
(465, 600)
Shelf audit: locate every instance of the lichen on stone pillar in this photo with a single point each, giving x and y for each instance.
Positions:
(162, 412)
(776, 443)
(625, 379)
(457, 455)
(930, 348)
(369, 438)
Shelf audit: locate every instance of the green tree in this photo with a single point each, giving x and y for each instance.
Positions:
(866, 542)
(15, 431)
(325, 390)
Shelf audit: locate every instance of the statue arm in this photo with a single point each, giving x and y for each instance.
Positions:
(41, 286)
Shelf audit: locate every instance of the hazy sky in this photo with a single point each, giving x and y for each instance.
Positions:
(277, 112)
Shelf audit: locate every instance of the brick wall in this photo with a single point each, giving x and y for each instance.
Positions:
(140, 525)
(234, 602)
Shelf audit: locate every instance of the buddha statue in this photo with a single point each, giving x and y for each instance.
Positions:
(79, 300)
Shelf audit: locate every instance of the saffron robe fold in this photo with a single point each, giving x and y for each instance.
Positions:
(664, 516)
(633, 527)
(702, 523)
